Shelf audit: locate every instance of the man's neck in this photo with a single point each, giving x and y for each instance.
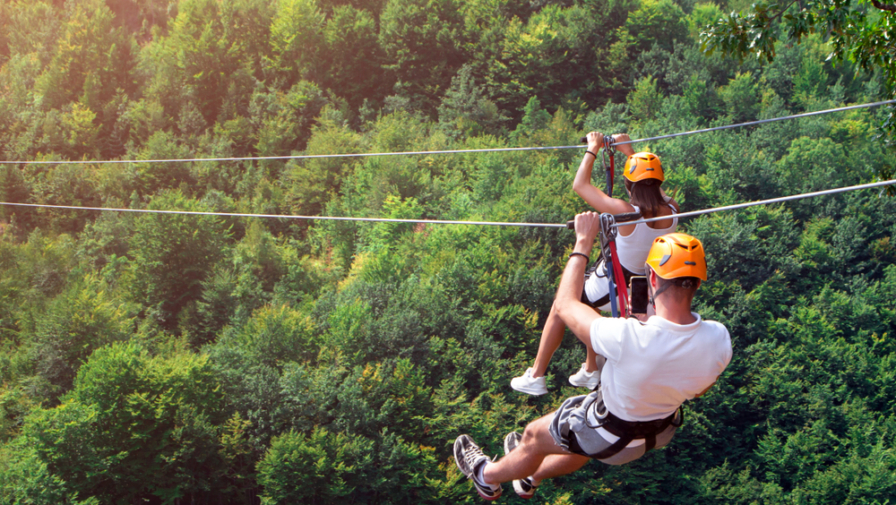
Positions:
(678, 313)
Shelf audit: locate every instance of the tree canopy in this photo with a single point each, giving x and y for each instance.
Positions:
(173, 359)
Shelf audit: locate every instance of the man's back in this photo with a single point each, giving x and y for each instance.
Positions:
(654, 367)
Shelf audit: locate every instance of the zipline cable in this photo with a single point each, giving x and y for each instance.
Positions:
(764, 202)
(753, 123)
(439, 221)
(452, 151)
(281, 216)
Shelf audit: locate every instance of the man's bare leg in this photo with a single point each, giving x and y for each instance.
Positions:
(556, 465)
(524, 461)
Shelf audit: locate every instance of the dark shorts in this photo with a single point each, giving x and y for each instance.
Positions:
(574, 431)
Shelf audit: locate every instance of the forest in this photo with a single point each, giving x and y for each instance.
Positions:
(200, 359)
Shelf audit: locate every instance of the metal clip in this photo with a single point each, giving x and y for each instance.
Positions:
(608, 230)
(609, 146)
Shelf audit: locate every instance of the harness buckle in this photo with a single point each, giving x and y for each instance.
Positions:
(608, 232)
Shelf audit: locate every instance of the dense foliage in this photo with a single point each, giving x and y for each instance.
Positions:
(198, 359)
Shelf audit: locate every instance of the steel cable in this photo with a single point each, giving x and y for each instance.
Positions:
(440, 221)
(451, 151)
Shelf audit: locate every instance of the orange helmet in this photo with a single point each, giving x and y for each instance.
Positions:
(677, 255)
(640, 166)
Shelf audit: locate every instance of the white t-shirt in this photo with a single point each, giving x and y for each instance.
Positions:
(653, 367)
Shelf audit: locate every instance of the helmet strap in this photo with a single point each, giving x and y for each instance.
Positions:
(653, 295)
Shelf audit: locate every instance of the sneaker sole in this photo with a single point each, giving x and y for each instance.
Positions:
(528, 391)
(588, 384)
(521, 493)
(470, 478)
(485, 497)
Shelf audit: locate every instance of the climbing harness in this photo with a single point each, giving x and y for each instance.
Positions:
(625, 430)
(615, 276)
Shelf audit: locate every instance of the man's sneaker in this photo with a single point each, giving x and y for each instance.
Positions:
(523, 487)
(469, 458)
(585, 379)
(528, 384)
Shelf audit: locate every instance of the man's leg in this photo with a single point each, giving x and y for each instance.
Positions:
(526, 460)
(556, 465)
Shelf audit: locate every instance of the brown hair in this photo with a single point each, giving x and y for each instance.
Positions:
(646, 195)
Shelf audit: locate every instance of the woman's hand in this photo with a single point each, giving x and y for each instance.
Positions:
(625, 149)
(595, 141)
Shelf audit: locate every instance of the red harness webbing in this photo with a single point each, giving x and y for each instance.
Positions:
(619, 279)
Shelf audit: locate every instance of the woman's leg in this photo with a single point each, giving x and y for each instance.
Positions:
(551, 338)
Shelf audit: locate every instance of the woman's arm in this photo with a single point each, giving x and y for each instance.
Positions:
(582, 183)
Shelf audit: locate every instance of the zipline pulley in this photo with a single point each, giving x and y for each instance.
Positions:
(609, 150)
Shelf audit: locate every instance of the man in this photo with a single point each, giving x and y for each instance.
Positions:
(651, 368)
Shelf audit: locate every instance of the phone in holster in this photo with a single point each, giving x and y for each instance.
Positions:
(637, 289)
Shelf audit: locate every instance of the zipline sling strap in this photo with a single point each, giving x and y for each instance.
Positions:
(609, 168)
(608, 233)
(627, 430)
(608, 250)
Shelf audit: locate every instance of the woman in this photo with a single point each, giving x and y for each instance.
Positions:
(643, 177)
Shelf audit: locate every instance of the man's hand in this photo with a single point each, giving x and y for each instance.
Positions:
(576, 315)
(595, 141)
(587, 225)
(625, 149)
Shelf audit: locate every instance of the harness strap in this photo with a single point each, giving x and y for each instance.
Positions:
(609, 149)
(621, 289)
(630, 430)
(608, 249)
(614, 449)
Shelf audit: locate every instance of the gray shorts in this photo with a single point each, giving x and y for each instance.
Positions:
(573, 431)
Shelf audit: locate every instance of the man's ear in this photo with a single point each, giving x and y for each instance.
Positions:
(651, 277)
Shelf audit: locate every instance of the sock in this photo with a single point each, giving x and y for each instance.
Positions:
(534, 482)
(480, 474)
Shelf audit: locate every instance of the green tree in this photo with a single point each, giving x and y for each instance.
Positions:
(465, 111)
(77, 322)
(657, 21)
(353, 68)
(645, 100)
(297, 41)
(423, 44)
(134, 428)
(173, 254)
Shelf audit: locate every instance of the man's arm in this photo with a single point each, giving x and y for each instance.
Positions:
(576, 315)
(701, 393)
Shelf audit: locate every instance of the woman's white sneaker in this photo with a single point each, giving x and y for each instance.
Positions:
(528, 384)
(585, 379)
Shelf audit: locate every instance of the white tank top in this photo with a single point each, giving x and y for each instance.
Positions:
(632, 250)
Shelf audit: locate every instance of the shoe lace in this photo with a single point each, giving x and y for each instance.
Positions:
(471, 454)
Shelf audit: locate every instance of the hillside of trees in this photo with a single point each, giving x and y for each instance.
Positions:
(182, 359)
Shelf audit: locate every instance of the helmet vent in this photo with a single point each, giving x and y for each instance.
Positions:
(690, 263)
(666, 258)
